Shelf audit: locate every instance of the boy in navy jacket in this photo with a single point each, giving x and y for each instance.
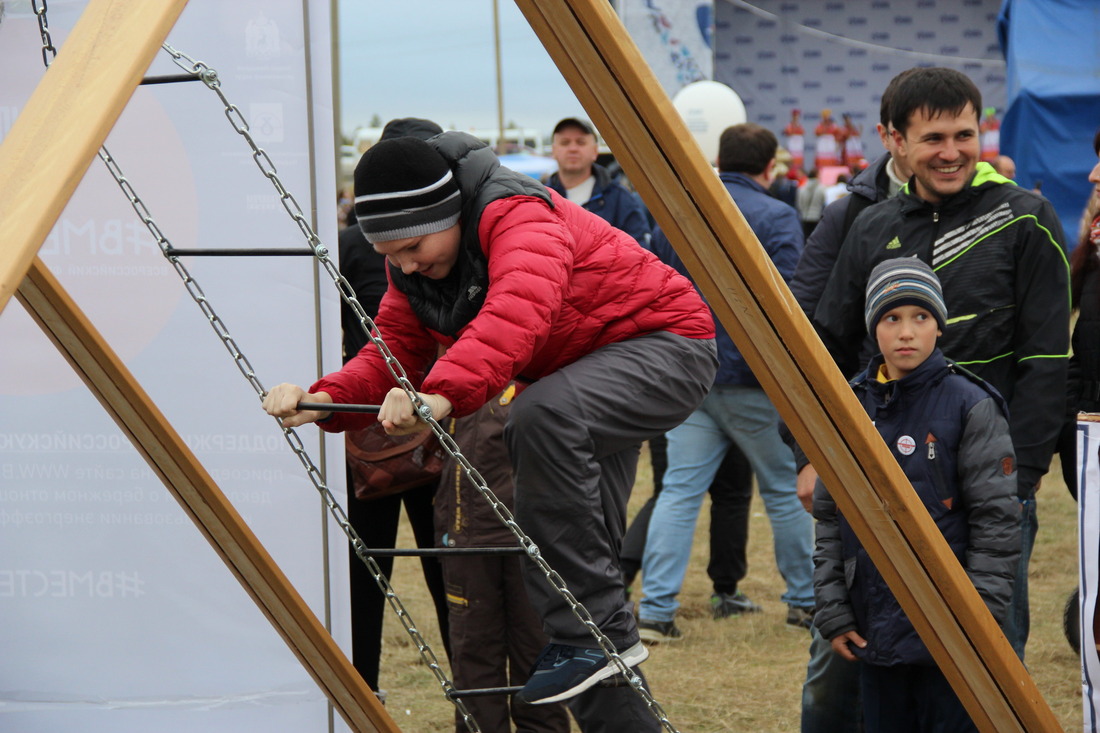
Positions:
(949, 432)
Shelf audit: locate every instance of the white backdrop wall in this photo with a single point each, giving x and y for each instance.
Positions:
(117, 614)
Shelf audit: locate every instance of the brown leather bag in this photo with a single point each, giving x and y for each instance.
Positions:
(383, 464)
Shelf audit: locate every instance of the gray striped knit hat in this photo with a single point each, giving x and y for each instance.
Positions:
(404, 188)
(903, 281)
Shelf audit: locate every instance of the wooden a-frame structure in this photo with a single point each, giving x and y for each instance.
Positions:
(84, 92)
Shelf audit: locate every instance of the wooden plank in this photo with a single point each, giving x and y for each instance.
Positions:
(658, 153)
(66, 120)
(168, 455)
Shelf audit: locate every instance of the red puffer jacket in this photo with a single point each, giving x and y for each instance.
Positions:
(562, 283)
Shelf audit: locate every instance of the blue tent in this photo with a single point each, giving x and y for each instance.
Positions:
(1052, 48)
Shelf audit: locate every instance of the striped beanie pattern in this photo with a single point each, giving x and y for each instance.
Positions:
(404, 188)
(903, 281)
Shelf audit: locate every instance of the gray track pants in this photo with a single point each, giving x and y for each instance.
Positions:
(574, 438)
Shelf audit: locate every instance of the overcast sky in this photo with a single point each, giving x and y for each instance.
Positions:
(435, 59)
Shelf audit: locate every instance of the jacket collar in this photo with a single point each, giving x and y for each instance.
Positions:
(603, 180)
(873, 182)
(931, 371)
(984, 177)
(742, 179)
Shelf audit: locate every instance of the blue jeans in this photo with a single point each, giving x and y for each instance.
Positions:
(1018, 624)
(730, 413)
(830, 695)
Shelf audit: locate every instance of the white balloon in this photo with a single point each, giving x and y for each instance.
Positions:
(708, 108)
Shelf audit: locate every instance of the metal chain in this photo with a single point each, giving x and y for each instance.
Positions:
(292, 438)
(209, 77)
(49, 53)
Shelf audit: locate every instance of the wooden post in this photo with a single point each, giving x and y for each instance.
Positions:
(619, 92)
(168, 455)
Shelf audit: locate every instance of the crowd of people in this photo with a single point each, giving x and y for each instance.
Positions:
(553, 329)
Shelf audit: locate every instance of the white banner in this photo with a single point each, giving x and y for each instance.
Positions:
(117, 614)
(674, 36)
(1088, 504)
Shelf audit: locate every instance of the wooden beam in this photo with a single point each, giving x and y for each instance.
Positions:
(64, 123)
(657, 151)
(167, 454)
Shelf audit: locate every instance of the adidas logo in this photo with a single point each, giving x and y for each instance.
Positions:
(894, 243)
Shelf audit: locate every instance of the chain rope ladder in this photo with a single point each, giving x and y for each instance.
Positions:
(210, 78)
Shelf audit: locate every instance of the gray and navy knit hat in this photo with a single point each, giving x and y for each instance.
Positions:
(903, 281)
(404, 188)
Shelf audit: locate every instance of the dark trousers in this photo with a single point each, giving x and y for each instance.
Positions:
(730, 496)
(908, 698)
(376, 522)
(495, 637)
(574, 438)
(613, 710)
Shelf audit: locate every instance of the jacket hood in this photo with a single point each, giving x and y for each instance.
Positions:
(472, 161)
(475, 165)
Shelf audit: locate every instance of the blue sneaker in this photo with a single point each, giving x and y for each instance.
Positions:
(562, 671)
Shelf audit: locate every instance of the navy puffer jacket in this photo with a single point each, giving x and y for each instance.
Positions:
(948, 431)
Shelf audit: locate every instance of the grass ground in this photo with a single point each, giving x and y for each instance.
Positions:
(745, 674)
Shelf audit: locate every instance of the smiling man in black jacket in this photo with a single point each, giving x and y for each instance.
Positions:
(999, 252)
